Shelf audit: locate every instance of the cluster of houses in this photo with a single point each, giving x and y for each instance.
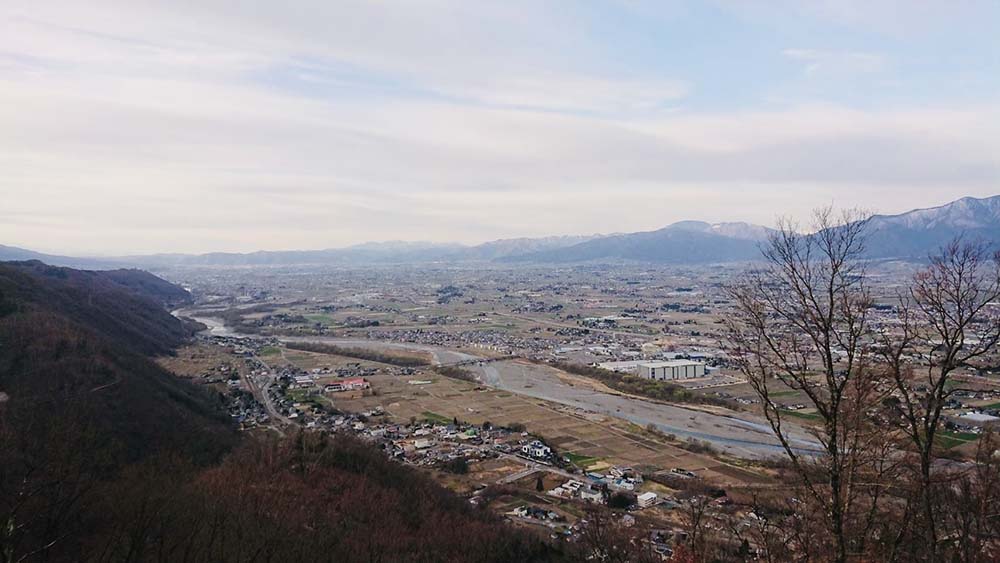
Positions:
(529, 512)
(624, 478)
(245, 410)
(971, 418)
(433, 444)
(437, 443)
(347, 384)
(596, 487)
(316, 381)
(578, 489)
(499, 341)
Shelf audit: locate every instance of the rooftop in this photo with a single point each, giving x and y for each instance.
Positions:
(670, 364)
(979, 417)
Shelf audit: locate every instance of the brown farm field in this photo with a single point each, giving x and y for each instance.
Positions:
(199, 360)
(311, 360)
(601, 441)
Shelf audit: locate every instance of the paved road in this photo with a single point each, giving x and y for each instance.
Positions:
(518, 476)
(264, 398)
(531, 467)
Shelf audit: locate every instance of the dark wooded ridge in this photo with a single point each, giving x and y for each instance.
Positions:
(104, 456)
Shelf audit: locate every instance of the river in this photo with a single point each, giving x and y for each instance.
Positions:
(739, 434)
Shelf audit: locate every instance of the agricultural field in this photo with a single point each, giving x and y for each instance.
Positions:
(310, 360)
(199, 360)
(594, 441)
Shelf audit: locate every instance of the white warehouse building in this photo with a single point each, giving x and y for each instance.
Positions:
(674, 369)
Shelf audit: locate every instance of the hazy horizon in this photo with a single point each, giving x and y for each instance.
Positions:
(153, 127)
(803, 223)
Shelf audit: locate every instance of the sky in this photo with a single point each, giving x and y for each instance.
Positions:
(148, 126)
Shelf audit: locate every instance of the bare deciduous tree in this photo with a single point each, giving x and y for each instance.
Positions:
(946, 321)
(802, 322)
(606, 539)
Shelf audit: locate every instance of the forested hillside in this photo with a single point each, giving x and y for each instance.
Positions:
(105, 456)
(125, 306)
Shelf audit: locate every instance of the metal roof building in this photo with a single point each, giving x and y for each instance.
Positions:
(674, 369)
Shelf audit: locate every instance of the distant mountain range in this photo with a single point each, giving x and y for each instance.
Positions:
(12, 253)
(918, 232)
(683, 242)
(910, 235)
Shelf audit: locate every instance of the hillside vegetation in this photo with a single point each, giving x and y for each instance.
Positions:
(124, 306)
(104, 456)
(392, 358)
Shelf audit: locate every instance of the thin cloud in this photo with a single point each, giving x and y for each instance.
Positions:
(207, 126)
(837, 62)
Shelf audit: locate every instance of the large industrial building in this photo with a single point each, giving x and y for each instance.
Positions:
(627, 366)
(674, 369)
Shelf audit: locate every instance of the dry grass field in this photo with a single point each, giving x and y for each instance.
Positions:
(197, 360)
(595, 441)
(591, 440)
(311, 360)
